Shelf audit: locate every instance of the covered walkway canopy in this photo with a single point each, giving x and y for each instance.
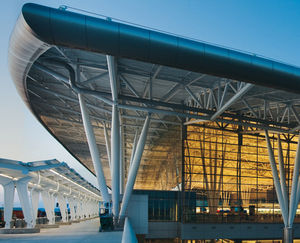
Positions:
(52, 180)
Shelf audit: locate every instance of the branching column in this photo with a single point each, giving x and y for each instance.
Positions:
(288, 211)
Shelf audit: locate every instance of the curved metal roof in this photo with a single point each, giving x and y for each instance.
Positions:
(176, 79)
(78, 31)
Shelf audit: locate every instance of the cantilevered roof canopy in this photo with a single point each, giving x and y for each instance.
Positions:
(178, 80)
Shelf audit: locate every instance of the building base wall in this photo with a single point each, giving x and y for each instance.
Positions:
(233, 231)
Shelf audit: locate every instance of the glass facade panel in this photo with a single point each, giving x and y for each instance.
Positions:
(229, 170)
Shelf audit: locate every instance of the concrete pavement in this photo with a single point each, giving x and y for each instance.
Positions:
(83, 232)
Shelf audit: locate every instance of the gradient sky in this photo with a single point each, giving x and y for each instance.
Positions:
(264, 27)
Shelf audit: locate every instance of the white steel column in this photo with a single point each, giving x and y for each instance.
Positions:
(9, 192)
(22, 188)
(283, 206)
(35, 196)
(133, 147)
(48, 207)
(134, 167)
(81, 208)
(282, 173)
(107, 144)
(72, 208)
(122, 169)
(63, 207)
(76, 207)
(115, 158)
(289, 211)
(53, 203)
(293, 201)
(128, 233)
(115, 137)
(93, 148)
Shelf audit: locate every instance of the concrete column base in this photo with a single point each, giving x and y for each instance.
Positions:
(288, 235)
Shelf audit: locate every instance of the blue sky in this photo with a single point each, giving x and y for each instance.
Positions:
(265, 27)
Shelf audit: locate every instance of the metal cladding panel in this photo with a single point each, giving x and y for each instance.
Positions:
(242, 60)
(215, 57)
(68, 30)
(102, 35)
(134, 41)
(107, 37)
(190, 50)
(163, 49)
(38, 18)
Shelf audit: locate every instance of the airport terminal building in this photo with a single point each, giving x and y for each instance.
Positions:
(189, 141)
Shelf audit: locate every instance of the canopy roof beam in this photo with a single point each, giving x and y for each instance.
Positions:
(233, 99)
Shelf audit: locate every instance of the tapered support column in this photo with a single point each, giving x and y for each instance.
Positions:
(115, 159)
(107, 143)
(81, 212)
(128, 233)
(288, 211)
(288, 235)
(35, 196)
(76, 205)
(79, 209)
(47, 200)
(115, 136)
(293, 201)
(283, 206)
(93, 148)
(9, 192)
(122, 169)
(63, 207)
(282, 173)
(134, 167)
(22, 188)
(133, 147)
(72, 208)
(53, 202)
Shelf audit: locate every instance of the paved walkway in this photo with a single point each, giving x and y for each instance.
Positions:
(83, 232)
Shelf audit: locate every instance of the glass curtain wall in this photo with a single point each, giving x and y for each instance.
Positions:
(229, 171)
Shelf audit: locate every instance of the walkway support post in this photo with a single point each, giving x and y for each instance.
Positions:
(63, 207)
(72, 208)
(9, 192)
(134, 167)
(115, 137)
(35, 195)
(48, 206)
(93, 148)
(22, 188)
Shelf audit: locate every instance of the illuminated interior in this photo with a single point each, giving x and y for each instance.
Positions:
(230, 172)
